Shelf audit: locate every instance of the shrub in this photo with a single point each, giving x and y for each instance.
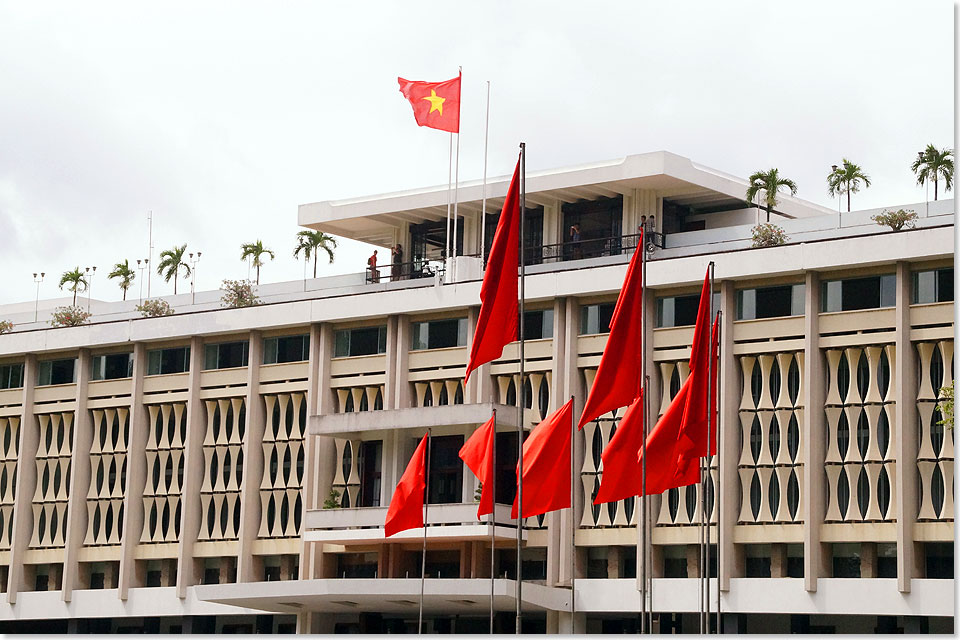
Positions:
(333, 500)
(238, 293)
(69, 316)
(946, 406)
(768, 235)
(6, 326)
(897, 220)
(155, 308)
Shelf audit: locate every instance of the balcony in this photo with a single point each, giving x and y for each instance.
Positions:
(366, 422)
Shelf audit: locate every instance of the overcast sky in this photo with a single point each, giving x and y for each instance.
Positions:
(222, 117)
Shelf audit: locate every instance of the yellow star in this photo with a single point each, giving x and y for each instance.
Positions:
(436, 102)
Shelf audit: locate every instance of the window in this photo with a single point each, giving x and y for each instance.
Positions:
(165, 361)
(286, 349)
(595, 318)
(932, 286)
(681, 311)
(439, 334)
(371, 463)
(11, 376)
(770, 302)
(872, 292)
(56, 372)
(446, 470)
(111, 367)
(366, 341)
(226, 355)
(538, 325)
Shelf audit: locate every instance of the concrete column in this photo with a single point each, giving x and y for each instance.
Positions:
(136, 476)
(559, 523)
(778, 560)
(566, 383)
(905, 436)
(402, 394)
(868, 559)
(248, 569)
(188, 574)
(26, 483)
(569, 623)
(79, 479)
(390, 370)
(812, 450)
(650, 503)
(729, 444)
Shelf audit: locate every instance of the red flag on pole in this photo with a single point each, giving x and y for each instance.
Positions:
(477, 454)
(662, 449)
(621, 469)
(546, 465)
(435, 104)
(406, 506)
(618, 377)
(499, 311)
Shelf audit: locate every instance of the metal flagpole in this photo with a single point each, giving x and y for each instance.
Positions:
(521, 391)
(573, 521)
(647, 553)
(149, 247)
(493, 516)
(643, 445)
(702, 551)
(708, 481)
(483, 206)
(719, 495)
(446, 256)
(423, 554)
(456, 182)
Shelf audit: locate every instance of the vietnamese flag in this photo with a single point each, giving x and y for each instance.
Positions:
(406, 506)
(499, 309)
(618, 377)
(622, 474)
(477, 454)
(435, 104)
(662, 471)
(546, 465)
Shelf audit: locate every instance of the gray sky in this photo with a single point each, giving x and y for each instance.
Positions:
(223, 117)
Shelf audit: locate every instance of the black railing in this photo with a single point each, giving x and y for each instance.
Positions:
(591, 248)
(396, 272)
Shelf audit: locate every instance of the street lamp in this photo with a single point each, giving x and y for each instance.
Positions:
(193, 275)
(36, 305)
(89, 283)
(146, 263)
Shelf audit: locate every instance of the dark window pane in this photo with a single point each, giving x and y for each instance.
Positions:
(945, 285)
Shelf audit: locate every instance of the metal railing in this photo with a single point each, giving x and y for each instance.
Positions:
(396, 272)
(590, 248)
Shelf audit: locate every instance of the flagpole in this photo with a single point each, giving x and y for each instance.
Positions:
(573, 522)
(483, 206)
(449, 187)
(456, 182)
(647, 555)
(493, 516)
(423, 554)
(719, 495)
(643, 445)
(709, 463)
(521, 391)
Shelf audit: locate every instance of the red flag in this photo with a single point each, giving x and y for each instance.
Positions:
(692, 437)
(406, 506)
(477, 454)
(497, 324)
(546, 465)
(621, 470)
(618, 377)
(435, 104)
(662, 449)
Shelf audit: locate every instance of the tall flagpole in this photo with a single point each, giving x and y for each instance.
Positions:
(456, 183)
(709, 463)
(483, 206)
(573, 521)
(423, 554)
(522, 391)
(493, 516)
(718, 493)
(447, 255)
(643, 427)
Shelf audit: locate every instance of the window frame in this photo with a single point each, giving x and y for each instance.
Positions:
(267, 358)
(348, 334)
(214, 349)
(420, 332)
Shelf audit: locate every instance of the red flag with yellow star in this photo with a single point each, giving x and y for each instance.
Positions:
(435, 104)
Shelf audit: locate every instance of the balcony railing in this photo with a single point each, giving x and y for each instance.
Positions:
(405, 271)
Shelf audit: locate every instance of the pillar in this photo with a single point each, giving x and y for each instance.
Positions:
(136, 477)
(26, 483)
(729, 443)
(248, 567)
(188, 574)
(79, 480)
(905, 436)
(813, 427)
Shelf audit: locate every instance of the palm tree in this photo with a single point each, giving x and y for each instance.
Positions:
(311, 242)
(932, 164)
(171, 262)
(255, 250)
(846, 179)
(770, 183)
(123, 271)
(76, 281)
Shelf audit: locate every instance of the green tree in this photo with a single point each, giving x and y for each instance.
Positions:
(255, 250)
(770, 183)
(310, 243)
(933, 164)
(75, 281)
(846, 179)
(123, 271)
(171, 262)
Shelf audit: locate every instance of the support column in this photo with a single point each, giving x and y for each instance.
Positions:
(190, 516)
(402, 394)
(79, 480)
(247, 565)
(651, 369)
(391, 371)
(812, 453)
(136, 476)
(905, 437)
(566, 382)
(729, 434)
(26, 483)
(559, 525)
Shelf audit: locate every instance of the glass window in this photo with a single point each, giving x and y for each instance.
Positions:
(770, 302)
(538, 325)
(11, 376)
(111, 367)
(681, 311)
(166, 361)
(56, 372)
(872, 292)
(365, 341)
(932, 286)
(226, 355)
(286, 349)
(439, 334)
(595, 318)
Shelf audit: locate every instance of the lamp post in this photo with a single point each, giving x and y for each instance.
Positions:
(36, 304)
(193, 275)
(92, 271)
(146, 264)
